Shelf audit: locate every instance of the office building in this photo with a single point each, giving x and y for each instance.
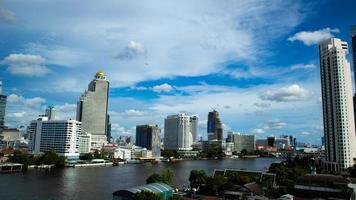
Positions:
(194, 125)
(2, 107)
(282, 143)
(177, 135)
(241, 141)
(270, 141)
(353, 40)
(215, 127)
(51, 113)
(92, 110)
(148, 136)
(338, 115)
(84, 143)
(61, 136)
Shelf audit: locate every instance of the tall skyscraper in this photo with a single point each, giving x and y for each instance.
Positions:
(2, 107)
(338, 115)
(148, 136)
(194, 123)
(51, 113)
(214, 129)
(61, 136)
(353, 39)
(177, 135)
(92, 110)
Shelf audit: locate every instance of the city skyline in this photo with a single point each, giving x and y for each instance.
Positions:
(263, 79)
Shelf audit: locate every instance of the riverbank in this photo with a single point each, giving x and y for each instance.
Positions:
(99, 182)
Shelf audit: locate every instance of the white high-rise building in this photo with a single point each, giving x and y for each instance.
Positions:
(92, 110)
(177, 132)
(338, 114)
(61, 136)
(51, 113)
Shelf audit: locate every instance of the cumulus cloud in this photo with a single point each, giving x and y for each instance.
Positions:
(313, 37)
(165, 87)
(290, 93)
(35, 102)
(303, 66)
(26, 65)
(132, 50)
(258, 131)
(117, 130)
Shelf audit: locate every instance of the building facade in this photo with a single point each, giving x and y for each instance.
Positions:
(2, 107)
(61, 136)
(177, 135)
(353, 40)
(241, 141)
(214, 126)
(51, 112)
(148, 136)
(338, 113)
(84, 143)
(92, 110)
(194, 125)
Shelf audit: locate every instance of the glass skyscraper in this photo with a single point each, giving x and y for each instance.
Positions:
(214, 126)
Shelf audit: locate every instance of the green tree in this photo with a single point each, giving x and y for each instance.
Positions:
(167, 176)
(97, 155)
(86, 156)
(19, 157)
(154, 178)
(146, 195)
(50, 158)
(166, 153)
(243, 152)
(197, 178)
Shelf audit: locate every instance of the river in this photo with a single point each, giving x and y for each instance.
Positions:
(100, 182)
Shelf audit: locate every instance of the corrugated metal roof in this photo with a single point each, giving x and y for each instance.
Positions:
(153, 187)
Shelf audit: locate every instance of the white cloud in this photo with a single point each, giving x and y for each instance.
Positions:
(28, 102)
(274, 125)
(26, 65)
(313, 37)
(305, 133)
(303, 66)
(181, 38)
(165, 87)
(7, 15)
(258, 131)
(131, 113)
(290, 93)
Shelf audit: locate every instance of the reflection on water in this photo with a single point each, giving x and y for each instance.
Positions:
(100, 182)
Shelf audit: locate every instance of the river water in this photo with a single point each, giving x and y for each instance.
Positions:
(100, 182)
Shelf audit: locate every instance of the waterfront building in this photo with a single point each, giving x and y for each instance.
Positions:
(84, 143)
(148, 136)
(92, 110)
(61, 136)
(51, 113)
(2, 107)
(9, 137)
(177, 135)
(123, 153)
(241, 141)
(338, 116)
(214, 126)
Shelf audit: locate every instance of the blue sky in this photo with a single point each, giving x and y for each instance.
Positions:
(256, 62)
